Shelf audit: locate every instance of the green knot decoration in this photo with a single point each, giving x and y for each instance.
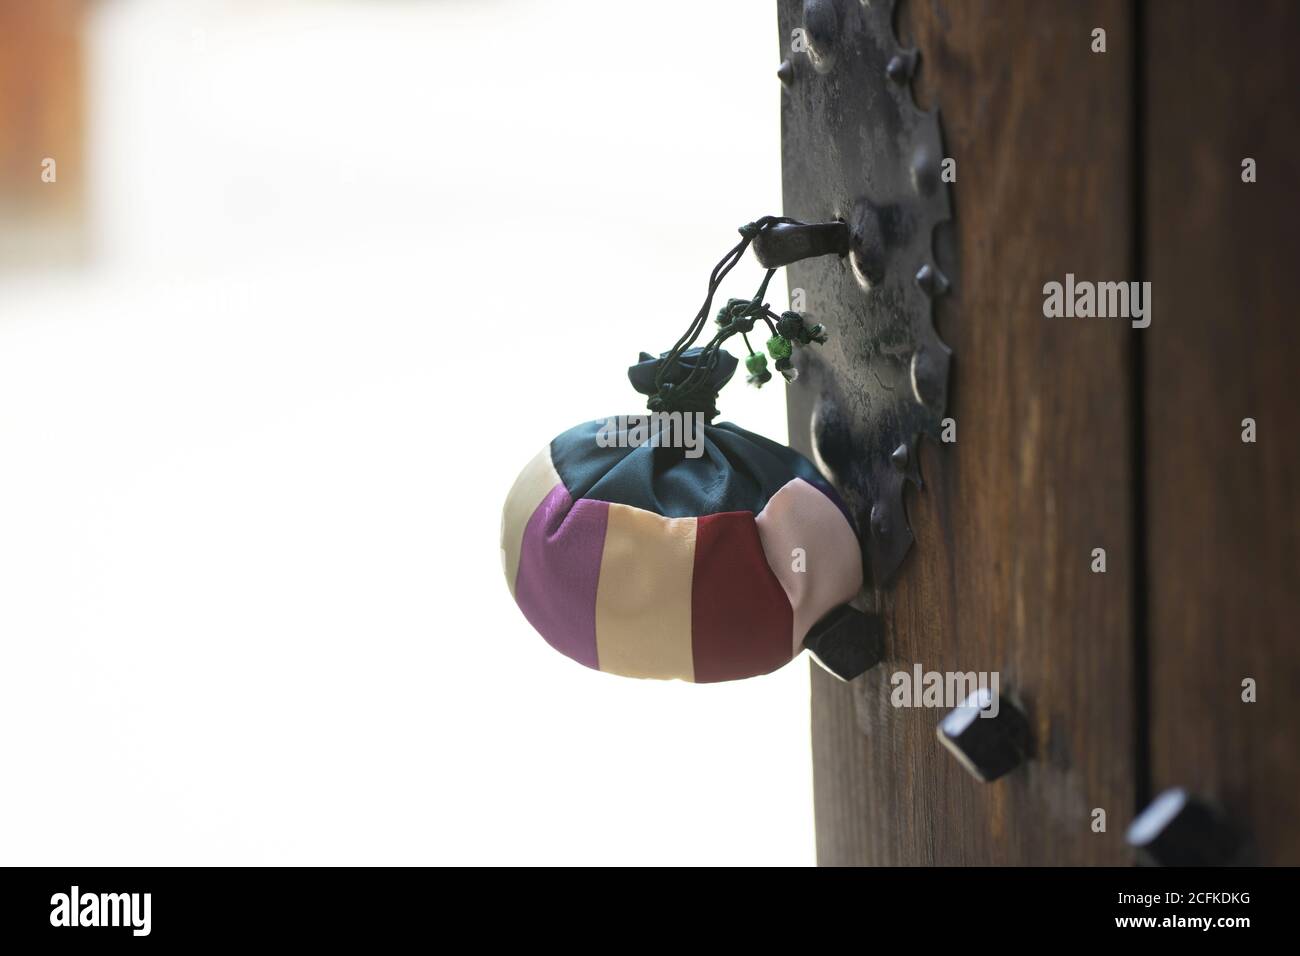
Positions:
(756, 363)
(793, 326)
(779, 347)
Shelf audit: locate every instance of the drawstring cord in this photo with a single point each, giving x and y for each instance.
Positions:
(694, 393)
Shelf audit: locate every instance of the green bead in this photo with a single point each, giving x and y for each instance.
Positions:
(778, 347)
(756, 363)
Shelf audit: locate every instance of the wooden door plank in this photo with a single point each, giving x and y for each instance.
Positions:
(1042, 471)
(1223, 83)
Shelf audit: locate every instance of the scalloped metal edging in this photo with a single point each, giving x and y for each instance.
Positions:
(856, 147)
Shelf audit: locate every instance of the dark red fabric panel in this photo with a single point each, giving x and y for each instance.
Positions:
(741, 622)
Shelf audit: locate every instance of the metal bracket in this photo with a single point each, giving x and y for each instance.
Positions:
(856, 148)
(846, 642)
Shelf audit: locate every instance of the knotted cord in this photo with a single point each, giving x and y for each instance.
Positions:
(695, 393)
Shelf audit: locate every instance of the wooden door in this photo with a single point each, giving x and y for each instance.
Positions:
(1077, 434)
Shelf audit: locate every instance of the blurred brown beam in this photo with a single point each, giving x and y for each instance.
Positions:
(42, 117)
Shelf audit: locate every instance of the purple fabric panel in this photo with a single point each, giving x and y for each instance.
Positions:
(559, 568)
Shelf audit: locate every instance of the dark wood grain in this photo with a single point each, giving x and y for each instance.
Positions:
(1223, 517)
(1042, 472)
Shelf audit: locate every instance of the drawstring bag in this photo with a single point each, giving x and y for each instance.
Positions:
(661, 545)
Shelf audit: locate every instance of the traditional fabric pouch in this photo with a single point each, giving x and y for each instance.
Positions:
(660, 545)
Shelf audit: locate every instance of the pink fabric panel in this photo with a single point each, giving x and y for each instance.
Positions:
(801, 516)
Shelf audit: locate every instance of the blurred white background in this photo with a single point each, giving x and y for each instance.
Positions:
(353, 264)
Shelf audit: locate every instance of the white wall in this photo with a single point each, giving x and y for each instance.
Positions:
(356, 262)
